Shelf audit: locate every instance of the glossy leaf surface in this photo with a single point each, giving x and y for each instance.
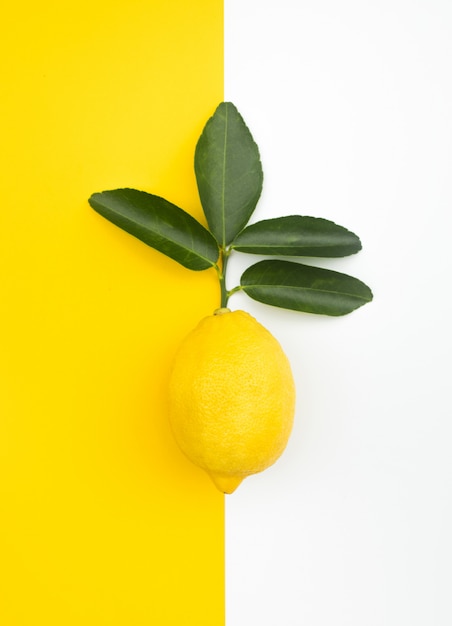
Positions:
(304, 288)
(159, 224)
(228, 172)
(297, 235)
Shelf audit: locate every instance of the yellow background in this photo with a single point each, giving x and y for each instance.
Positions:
(102, 520)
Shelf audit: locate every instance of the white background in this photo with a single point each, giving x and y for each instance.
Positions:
(350, 103)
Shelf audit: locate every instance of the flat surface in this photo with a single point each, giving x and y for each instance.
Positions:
(102, 520)
(350, 103)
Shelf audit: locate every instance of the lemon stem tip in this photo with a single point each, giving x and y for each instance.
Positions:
(226, 484)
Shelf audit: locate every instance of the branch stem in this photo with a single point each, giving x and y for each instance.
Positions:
(222, 276)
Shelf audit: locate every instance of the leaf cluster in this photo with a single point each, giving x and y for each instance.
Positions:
(229, 176)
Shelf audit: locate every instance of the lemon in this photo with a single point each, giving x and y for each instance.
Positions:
(231, 397)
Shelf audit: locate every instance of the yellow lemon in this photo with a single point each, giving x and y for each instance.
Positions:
(232, 397)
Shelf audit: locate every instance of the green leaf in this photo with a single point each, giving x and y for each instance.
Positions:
(228, 172)
(304, 288)
(297, 235)
(159, 224)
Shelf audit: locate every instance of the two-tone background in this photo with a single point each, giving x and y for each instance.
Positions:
(102, 520)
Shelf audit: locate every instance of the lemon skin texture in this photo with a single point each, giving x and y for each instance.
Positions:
(231, 397)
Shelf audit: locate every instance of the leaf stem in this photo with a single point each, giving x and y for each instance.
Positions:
(231, 292)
